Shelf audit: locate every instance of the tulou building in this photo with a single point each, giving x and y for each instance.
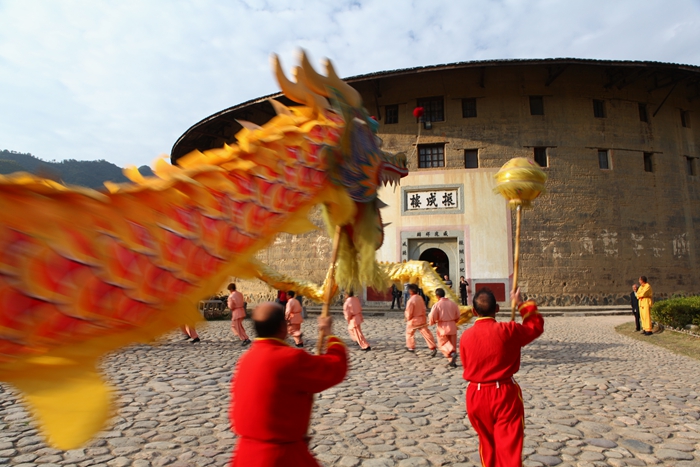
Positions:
(619, 141)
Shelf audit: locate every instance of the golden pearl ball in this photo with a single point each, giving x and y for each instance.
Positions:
(520, 181)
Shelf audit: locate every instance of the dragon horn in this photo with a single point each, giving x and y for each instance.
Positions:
(319, 83)
(295, 91)
(318, 101)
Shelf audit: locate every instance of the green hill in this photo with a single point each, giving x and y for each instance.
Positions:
(9, 166)
(71, 172)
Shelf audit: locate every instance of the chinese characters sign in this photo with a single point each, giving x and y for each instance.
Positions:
(431, 199)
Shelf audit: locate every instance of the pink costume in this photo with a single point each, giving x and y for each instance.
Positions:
(237, 306)
(416, 321)
(190, 331)
(445, 313)
(352, 309)
(294, 319)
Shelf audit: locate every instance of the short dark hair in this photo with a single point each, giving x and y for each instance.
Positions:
(271, 326)
(290, 294)
(351, 293)
(231, 286)
(485, 302)
(440, 292)
(413, 287)
(644, 278)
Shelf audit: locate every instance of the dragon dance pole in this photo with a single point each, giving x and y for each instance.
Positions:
(330, 285)
(516, 259)
(520, 181)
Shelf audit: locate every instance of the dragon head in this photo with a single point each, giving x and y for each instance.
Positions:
(356, 164)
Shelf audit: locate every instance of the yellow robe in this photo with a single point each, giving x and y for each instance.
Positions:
(645, 294)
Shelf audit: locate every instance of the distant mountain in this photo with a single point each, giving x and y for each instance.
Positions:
(71, 172)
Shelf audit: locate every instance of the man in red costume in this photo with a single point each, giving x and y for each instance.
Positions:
(272, 392)
(490, 354)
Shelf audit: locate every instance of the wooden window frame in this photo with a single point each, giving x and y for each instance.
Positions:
(471, 151)
(433, 108)
(599, 108)
(539, 152)
(393, 111)
(536, 105)
(429, 160)
(643, 113)
(469, 107)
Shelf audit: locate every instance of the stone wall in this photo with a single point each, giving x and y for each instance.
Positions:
(305, 257)
(595, 231)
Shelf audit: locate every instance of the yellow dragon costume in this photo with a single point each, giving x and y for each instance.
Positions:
(84, 272)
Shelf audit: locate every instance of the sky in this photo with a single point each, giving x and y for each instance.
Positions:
(123, 80)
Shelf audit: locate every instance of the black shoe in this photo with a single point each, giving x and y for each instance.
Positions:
(367, 349)
(648, 333)
(452, 361)
(187, 337)
(195, 340)
(433, 353)
(245, 342)
(411, 350)
(637, 330)
(301, 344)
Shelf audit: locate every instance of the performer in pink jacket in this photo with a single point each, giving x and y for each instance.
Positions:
(293, 315)
(352, 310)
(445, 313)
(236, 304)
(416, 321)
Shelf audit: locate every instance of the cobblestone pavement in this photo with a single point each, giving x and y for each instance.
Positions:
(592, 398)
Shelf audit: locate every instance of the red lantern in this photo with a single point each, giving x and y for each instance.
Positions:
(418, 112)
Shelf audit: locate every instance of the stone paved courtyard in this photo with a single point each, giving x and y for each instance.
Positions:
(592, 398)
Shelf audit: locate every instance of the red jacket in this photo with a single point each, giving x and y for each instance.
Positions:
(271, 398)
(490, 351)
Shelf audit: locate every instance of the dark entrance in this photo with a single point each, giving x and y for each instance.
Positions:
(439, 260)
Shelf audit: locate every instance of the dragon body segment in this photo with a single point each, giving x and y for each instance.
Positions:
(84, 272)
(414, 272)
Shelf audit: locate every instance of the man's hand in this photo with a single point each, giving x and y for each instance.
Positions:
(325, 325)
(515, 297)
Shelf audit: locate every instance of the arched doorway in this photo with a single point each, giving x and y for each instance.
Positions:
(439, 259)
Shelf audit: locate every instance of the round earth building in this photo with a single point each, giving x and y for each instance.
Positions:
(619, 141)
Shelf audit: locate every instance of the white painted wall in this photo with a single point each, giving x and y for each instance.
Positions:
(485, 220)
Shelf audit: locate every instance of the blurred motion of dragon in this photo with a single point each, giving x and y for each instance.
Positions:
(421, 273)
(84, 272)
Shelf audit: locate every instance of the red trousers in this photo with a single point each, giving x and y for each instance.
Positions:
(497, 414)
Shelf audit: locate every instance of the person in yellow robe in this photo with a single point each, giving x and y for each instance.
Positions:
(645, 296)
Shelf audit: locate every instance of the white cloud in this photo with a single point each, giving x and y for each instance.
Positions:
(123, 80)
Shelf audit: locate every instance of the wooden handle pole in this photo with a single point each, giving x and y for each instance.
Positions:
(330, 285)
(516, 259)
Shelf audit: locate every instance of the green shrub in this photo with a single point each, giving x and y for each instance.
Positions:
(677, 312)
